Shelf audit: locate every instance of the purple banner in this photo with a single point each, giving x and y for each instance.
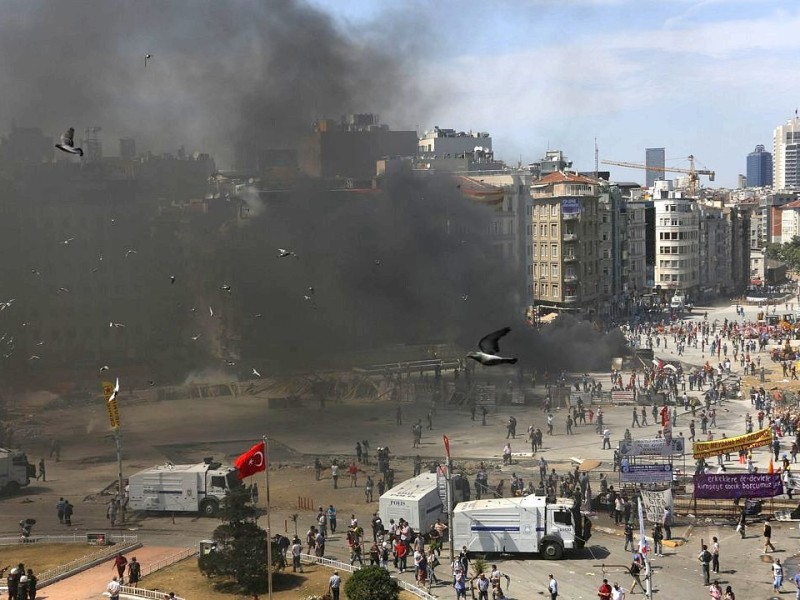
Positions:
(739, 485)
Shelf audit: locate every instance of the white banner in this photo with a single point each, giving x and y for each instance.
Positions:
(654, 504)
(652, 447)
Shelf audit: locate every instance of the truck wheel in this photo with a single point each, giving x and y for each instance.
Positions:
(551, 551)
(209, 508)
(12, 487)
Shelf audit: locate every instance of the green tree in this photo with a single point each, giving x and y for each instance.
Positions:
(241, 553)
(788, 253)
(371, 583)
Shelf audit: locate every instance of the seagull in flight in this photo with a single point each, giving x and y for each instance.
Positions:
(258, 315)
(104, 368)
(146, 58)
(34, 357)
(256, 373)
(113, 395)
(67, 241)
(172, 278)
(128, 253)
(196, 337)
(489, 347)
(211, 311)
(226, 288)
(377, 262)
(35, 272)
(68, 144)
(5, 305)
(62, 289)
(116, 325)
(283, 253)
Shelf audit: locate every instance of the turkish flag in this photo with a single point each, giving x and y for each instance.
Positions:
(253, 461)
(446, 445)
(664, 416)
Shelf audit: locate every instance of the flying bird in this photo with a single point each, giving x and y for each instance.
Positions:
(258, 315)
(104, 368)
(465, 297)
(211, 311)
(113, 395)
(127, 253)
(196, 337)
(172, 278)
(116, 325)
(68, 144)
(256, 373)
(230, 363)
(35, 272)
(5, 305)
(283, 253)
(62, 289)
(377, 262)
(146, 58)
(67, 241)
(226, 288)
(489, 347)
(34, 357)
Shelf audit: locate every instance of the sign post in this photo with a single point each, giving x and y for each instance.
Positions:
(110, 393)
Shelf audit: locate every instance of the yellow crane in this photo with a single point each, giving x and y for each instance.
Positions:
(694, 174)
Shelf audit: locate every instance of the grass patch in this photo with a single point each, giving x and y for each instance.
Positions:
(42, 557)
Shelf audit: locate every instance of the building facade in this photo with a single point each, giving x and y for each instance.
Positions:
(759, 168)
(786, 155)
(677, 257)
(449, 143)
(565, 242)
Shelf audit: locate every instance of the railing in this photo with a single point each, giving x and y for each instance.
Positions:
(170, 560)
(65, 539)
(132, 592)
(570, 237)
(571, 298)
(343, 566)
(570, 277)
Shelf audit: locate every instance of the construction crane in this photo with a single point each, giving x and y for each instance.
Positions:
(691, 171)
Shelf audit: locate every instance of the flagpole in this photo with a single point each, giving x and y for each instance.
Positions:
(269, 531)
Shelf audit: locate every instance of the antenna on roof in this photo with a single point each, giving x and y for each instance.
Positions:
(595, 157)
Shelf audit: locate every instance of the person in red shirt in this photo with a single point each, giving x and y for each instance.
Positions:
(401, 553)
(120, 562)
(604, 592)
(353, 471)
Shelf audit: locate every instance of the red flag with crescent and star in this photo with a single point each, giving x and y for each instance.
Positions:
(251, 462)
(446, 445)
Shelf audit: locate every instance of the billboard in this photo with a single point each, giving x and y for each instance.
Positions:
(652, 447)
(570, 206)
(645, 473)
(738, 485)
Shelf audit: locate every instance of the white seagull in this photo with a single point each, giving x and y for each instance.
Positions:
(146, 58)
(68, 144)
(226, 288)
(211, 311)
(256, 373)
(196, 337)
(488, 350)
(172, 278)
(283, 253)
(67, 241)
(34, 357)
(104, 368)
(116, 325)
(128, 253)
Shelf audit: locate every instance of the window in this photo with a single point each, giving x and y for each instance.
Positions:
(553, 230)
(562, 517)
(554, 270)
(553, 250)
(553, 210)
(555, 291)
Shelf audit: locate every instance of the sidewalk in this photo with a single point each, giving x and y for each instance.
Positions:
(90, 584)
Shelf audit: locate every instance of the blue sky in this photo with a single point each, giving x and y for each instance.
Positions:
(711, 78)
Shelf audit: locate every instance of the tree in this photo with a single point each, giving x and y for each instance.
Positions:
(241, 553)
(371, 583)
(788, 253)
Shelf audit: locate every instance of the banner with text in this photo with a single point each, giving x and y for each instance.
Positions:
(762, 437)
(654, 504)
(737, 485)
(654, 447)
(645, 473)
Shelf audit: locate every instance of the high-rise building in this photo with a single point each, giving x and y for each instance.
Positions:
(759, 168)
(654, 157)
(786, 155)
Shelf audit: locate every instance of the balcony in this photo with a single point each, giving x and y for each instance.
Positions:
(571, 299)
(569, 236)
(570, 216)
(570, 277)
(570, 258)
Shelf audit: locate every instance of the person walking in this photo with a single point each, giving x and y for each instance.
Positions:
(552, 587)
(636, 570)
(715, 556)
(604, 591)
(629, 538)
(617, 592)
(729, 595)
(60, 509)
(658, 535)
(134, 572)
(635, 422)
(777, 575)
(715, 591)
(334, 583)
(120, 562)
(68, 512)
(606, 439)
(741, 526)
(41, 472)
(335, 475)
(666, 522)
(768, 537)
(482, 583)
(705, 559)
(113, 589)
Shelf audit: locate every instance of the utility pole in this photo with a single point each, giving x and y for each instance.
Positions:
(449, 497)
(110, 393)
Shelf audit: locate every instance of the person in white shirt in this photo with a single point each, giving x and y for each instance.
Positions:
(113, 588)
(617, 593)
(552, 587)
